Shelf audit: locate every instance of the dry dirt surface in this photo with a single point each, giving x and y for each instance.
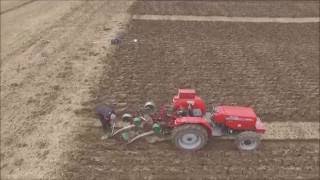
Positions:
(10, 5)
(61, 66)
(51, 55)
(271, 67)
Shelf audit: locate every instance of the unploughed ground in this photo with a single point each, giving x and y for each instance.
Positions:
(10, 5)
(51, 56)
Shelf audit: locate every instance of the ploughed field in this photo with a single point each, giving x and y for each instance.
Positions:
(271, 67)
(218, 160)
(258, 8)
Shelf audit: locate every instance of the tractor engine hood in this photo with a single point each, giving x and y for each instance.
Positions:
(231, 112)
(235, 117)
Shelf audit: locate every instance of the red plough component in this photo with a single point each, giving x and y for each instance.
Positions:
(189, 126)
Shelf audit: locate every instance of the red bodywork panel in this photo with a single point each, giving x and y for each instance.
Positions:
(186, 96)
(193, 120)
(234, 117)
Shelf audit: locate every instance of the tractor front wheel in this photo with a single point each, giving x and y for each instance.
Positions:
(189, 137)
(247, 141)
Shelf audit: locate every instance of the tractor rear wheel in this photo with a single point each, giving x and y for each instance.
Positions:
(247, 141)
(189, 137)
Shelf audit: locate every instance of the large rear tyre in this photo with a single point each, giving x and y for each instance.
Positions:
(247, 141)
(189, 137)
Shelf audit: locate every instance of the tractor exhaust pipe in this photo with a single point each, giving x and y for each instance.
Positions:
(141, 135)
(123, 129)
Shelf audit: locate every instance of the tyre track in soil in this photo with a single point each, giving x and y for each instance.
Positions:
(50, 86)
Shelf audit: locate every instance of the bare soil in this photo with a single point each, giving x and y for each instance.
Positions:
(57, 64)
(10, 5)
(270, 67)
(231, 8)
(218, 160)
(51, 56)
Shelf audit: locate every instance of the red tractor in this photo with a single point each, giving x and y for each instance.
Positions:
(188, 124)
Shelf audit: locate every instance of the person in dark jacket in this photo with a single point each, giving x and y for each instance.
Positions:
(106, 115)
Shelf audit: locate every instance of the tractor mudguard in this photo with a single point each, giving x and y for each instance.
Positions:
(193, 120)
